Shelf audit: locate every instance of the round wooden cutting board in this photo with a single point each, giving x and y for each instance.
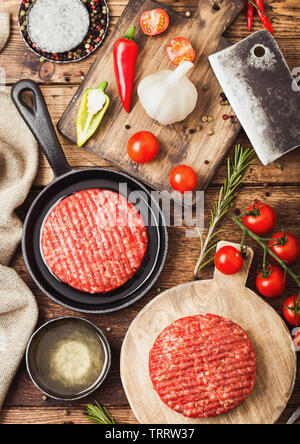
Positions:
(225, 296)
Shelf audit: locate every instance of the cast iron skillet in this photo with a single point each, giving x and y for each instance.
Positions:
(66, 182)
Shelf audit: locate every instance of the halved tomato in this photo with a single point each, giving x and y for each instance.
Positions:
(180, 50)
(154, 22)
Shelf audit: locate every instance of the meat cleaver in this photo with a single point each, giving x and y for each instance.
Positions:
(262, 92)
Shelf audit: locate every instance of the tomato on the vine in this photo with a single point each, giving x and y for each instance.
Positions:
(228, 260)
(142, 147)
(260, 218)
(183, 178)
(286, 246)
(271, 281)
(291, 310)
(154, 22)
(180, 50)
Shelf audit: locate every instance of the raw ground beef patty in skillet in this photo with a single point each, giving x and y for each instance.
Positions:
(94, 240)
(203, 366)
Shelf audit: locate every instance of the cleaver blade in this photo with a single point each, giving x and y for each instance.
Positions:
(262, 92)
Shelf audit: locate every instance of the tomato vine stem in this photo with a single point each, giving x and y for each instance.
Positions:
(255, 6)
(267, 250)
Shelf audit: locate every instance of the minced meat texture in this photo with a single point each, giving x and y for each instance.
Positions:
(203, 366)
(94, 240)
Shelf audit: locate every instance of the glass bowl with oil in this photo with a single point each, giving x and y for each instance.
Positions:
(68, 358)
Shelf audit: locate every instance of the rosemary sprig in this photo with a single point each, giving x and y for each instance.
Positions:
(99, 414)
(242, 159)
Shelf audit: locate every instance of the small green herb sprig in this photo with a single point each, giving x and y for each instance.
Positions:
(236, 169)
(99, 414)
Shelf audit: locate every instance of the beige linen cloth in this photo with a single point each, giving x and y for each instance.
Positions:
(18, 166)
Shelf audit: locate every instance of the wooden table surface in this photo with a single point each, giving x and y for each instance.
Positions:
(277, 184)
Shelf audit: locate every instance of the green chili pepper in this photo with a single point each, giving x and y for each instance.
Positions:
(87, 121)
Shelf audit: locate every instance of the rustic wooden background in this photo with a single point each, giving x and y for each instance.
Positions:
(277, 184)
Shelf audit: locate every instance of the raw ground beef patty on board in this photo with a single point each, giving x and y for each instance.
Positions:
(203, 365)
(94, 240)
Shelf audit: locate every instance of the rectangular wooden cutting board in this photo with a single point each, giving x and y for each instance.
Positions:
(178, 145)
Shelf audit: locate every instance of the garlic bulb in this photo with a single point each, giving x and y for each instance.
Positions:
(168, 96)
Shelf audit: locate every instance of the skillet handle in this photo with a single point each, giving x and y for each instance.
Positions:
(38, 120)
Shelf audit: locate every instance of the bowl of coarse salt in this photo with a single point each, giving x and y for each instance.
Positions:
(63, 31)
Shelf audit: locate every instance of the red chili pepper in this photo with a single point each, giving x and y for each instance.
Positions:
(125, 56)
(266, 22)
(249, 12)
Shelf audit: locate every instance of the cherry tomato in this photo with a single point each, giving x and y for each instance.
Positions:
(180, 50)
(271, 282)
(288, 249)
(154, 22)
(228, 260)
(261, 218)
(143, 147)
(183, 178)
(291, 310)
(296, 339)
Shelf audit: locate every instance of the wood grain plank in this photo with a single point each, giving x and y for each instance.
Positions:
(19, 62)
(285, 170)
(50, 415)
(177, 145)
